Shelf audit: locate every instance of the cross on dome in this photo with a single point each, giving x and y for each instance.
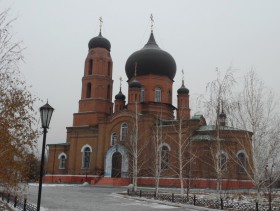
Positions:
(100, 23)
(152, 22)
(121, 83)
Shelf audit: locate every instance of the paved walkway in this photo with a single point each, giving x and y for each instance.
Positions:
(92, 198)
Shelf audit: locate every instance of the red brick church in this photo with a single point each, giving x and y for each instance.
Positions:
(107, 136)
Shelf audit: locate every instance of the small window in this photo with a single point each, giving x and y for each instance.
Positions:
(241, 162)
(113, 138)
(86, 157)
(90, 67)
(88, 94)
(62, 161)
(108, 91)
(142, 95)
(124, 132)
(157, 94)
(164, 157)
(109, 68)
(222, 161)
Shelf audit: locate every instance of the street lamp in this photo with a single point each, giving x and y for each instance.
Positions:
(46, 115)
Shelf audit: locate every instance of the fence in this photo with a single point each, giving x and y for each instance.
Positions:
(18, 203)
(203, 202)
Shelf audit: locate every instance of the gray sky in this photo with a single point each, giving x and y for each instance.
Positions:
(200, 35)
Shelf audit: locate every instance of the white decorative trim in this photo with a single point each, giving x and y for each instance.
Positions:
(108, 160)
(83, 148)
(242, 151)
(222, 152)
(61, 154)
(164, 144)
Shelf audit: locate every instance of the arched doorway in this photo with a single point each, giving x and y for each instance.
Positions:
(110, 160)
(116, 164)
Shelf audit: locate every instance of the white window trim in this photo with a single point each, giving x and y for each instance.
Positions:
(158, 97)
(121, 132)
(59, 157)
(83, 154)
(111, 141)
(83, 148)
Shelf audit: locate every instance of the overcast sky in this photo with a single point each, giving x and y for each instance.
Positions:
(200, 35)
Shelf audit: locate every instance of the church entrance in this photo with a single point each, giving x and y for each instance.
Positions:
(116, 165)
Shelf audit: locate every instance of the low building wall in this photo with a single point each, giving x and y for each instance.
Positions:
(149, 181)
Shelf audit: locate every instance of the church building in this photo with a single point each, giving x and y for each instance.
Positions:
(141, 134)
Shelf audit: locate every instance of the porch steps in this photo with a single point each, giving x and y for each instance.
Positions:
(111, 181)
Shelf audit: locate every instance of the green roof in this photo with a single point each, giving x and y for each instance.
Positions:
(203, 137)
(213, 128)
(197, 117)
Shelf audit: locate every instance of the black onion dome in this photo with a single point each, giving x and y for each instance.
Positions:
(135, 84)
(183, 90)
(151, 60)
(99, 42)
(222, 115)
(120, 96)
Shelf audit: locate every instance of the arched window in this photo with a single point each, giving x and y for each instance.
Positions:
(86, 150)
(157, 94)
(241, 162)
(88, 94)
(90, 67)
(62, 160)
(164, 157)
(222, 160)
(108, 91)
(113, 138)
(142, 95)
(124, 132)
(109, 68)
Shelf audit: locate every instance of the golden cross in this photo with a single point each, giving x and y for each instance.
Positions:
(100, 23)
(152, 22)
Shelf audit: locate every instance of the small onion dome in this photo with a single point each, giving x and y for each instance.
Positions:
(99, 42)
(120, 96)
(183, 90)
(222, 115)
(151, 60)
(135, 84)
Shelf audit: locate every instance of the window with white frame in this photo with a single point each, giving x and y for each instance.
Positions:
(124, 132)
(113, 138)
(62, 161)
(86, 157)
(157, 94)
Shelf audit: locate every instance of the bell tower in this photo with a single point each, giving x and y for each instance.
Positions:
(96, 97)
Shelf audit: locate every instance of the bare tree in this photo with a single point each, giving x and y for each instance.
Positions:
(182, 153)
(220, 97)
(137, 146)
(256, 111)
(17, 116)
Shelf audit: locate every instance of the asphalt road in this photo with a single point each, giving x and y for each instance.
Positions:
(92, 198)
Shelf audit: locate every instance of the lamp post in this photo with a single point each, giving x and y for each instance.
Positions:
(46, 115)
